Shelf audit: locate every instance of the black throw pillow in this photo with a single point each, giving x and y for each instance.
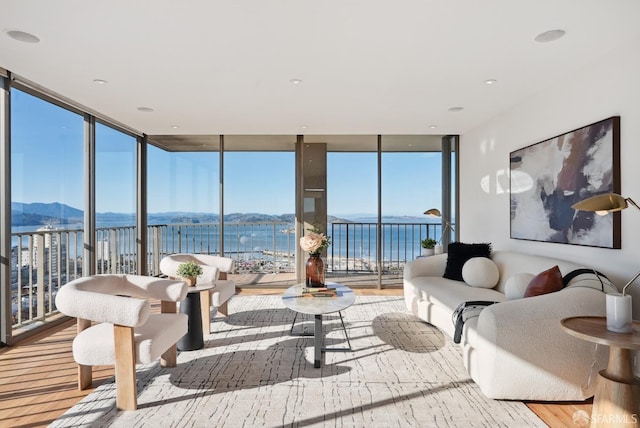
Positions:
(459, 253)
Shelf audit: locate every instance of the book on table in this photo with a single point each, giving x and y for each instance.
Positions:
(319, 292)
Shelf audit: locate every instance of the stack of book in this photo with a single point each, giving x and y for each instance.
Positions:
(319, 292)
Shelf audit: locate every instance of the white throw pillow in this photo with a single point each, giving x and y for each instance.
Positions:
(480, 272)
(516, 286)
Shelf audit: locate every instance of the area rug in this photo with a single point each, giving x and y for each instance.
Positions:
(401, 372)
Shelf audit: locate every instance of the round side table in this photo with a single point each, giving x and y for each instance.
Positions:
(192, 306)
(616, 401)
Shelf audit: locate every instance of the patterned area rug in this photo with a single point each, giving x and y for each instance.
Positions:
(401, 372)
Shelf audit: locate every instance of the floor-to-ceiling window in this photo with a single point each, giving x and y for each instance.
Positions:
(370, 192)
(378, 190)
(370, 183)
(411, 174)
(352, 204)
(115, 200)
(259, 204)
(183, 201)
(47, 188)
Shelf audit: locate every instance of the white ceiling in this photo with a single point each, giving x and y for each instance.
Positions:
(367, 66)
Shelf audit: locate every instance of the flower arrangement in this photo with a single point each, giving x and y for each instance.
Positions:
(314, 242)
(189, 270)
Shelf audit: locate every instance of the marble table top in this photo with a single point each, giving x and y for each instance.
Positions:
(292, 299)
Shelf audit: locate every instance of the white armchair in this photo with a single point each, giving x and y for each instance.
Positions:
(215, 270)
(127, 333)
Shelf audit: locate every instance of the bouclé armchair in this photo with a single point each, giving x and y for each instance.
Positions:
(215, 270)
(126, 333)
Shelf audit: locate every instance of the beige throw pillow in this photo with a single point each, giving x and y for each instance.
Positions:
(516, 286)
(480, 272)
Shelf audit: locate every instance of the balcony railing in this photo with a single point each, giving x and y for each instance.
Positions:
(44, 260)
(354, 245)
(255, 247)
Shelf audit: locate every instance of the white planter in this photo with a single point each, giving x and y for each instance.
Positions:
(438, 249)
(619, 313)
(427, 251)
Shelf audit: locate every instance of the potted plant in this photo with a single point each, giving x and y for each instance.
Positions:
(188, 272)
(427, 245)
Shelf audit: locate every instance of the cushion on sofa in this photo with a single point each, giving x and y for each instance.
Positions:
(457, 255)
(448, 294)
(516, 285)
(545, 282)
(480, 272)
(589, 278)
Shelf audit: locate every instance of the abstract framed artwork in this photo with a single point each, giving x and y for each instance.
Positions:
(548, 177)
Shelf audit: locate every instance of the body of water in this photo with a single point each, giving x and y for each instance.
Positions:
(351, 240)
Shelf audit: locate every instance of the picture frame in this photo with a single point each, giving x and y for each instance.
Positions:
(548, 177)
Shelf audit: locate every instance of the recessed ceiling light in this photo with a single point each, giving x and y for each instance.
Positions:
(174, 127)
(22, 36)
(456, 109)
(491, 81)
(100, 81)
(433, 126)
(145, 109)
(304, 127)
(295, 81)
(549, 36)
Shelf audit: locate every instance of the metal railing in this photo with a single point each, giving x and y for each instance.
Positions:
(354, 245)
(41, 262)
(266, 247)
(44, 260)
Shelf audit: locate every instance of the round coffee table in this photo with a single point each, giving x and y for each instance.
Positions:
(319, 306)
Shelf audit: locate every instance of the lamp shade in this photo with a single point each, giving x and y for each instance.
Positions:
(607, 202)
(433, 212)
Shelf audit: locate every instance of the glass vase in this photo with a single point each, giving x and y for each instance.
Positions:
(315, 271)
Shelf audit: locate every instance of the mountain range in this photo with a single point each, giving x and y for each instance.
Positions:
(38, 213)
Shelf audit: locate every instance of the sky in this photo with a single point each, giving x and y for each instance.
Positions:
(48, 156)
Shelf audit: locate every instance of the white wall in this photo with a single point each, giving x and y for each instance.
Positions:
(610, 87)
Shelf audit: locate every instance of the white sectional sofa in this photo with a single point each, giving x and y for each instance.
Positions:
(515, 349)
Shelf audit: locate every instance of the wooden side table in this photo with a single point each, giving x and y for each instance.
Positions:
(616, 401)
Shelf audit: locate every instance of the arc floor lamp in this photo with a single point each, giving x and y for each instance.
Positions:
(619, 305)
(434, 212)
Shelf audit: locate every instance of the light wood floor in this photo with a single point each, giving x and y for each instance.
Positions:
(38, 377)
